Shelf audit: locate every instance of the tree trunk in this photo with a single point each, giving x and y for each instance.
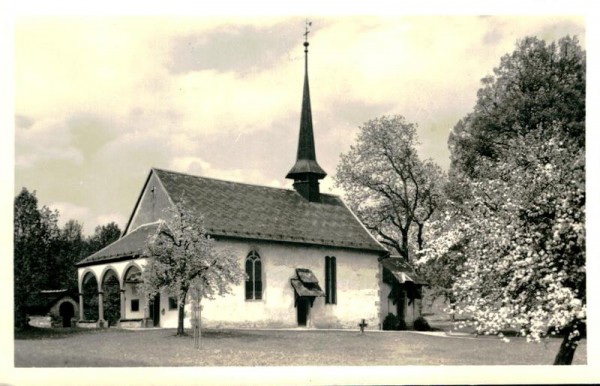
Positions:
(420, 236)
(404, 252)
(199, 320)
(181, 317)
(567, 347)
(21, 321)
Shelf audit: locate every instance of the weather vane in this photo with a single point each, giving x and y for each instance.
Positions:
(306, 31)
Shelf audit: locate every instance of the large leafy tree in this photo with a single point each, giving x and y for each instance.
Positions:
(182, 260)
(35, 245)
(536, 86)
(392, 190)
(44, 254)
(71, 245)
(103, 236)
(515, 231)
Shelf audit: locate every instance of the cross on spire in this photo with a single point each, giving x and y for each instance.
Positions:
(306, 31)
(307, 24)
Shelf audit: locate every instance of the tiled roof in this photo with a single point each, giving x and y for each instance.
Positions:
(237, 210)
(306, 290)
(132, 244)
(402, 270)
(258, 212)
(42, 301)
(306, 276)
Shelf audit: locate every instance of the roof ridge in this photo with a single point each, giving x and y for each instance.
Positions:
(147, 224)
(233, 182)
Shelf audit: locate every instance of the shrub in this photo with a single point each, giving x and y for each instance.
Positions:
(393, 323)
(401, 325)
(421, 324)
(390, 322)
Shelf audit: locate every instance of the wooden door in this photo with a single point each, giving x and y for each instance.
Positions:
(155, 310)
(302, 309)
(67, 311)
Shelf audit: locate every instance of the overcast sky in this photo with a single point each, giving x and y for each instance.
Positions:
(99, 101)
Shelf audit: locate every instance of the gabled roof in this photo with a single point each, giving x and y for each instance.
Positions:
(244, 211)
(306, 284)
(258, 212)
(132, 244)
(40, 302)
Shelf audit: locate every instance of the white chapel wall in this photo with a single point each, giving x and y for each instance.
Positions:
(357, 290)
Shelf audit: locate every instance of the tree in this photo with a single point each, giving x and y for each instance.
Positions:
(392, 191)
(71, 252)
(112, 300)
(536, 86)
(35, 233)
(182, 258)
(44, 254)
(514, 234)
(103, 236)
(525, 225)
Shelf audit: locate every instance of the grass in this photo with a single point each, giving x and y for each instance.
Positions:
(128, 348)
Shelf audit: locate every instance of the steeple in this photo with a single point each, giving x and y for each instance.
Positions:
(306, 172)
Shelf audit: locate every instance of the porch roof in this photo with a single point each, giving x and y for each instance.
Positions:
(306, 284)
(130, 245)
(307, 289)
(402, 270)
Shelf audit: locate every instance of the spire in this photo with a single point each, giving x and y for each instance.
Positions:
(306, 171)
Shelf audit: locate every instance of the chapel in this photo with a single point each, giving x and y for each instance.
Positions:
(309, 260)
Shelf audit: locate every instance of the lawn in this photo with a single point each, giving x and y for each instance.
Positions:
(160, 347)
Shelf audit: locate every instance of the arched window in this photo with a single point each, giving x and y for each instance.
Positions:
(330, 280)
(254, 279)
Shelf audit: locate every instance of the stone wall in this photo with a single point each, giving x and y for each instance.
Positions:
(40, 321)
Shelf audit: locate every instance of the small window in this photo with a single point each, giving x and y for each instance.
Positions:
(135, 305)
(172, 303)
(330, 280)
(254, 279)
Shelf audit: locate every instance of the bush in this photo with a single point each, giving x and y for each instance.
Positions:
(393, 323)
(421, 324)
(390, 322)
(401, 325)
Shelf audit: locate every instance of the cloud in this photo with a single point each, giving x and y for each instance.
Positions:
(99, 101)
(83, 215)
(243, 49)
(44, 140)
(119, 218)
(69, 211)
(198, 166)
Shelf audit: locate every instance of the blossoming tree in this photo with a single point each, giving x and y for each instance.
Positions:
(394, 193)
(524, 266)
(513, 235)
(184, 261)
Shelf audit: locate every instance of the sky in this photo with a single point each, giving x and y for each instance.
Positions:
(101, 100)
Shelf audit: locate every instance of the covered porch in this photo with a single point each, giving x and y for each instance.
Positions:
(108, 285)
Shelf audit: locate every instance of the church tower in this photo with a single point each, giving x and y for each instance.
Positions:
(306, 172)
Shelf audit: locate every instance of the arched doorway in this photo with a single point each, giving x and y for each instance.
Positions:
(134, 307)
(90, 297)
(112, 298)
(66, 311)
